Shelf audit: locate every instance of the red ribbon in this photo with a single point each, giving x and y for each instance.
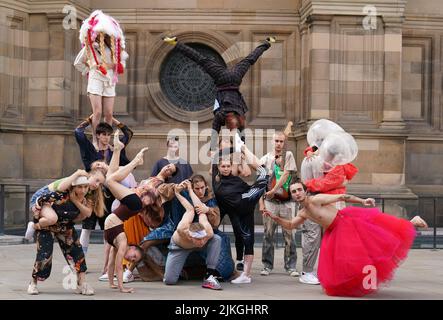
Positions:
(101, 68)
(120, 65)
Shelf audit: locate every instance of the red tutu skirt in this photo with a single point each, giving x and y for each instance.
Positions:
(361, 250)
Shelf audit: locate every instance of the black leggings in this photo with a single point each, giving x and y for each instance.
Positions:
(245, 217)
(235, 222)
(244, 212)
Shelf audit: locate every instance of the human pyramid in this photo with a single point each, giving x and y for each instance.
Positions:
(157, 225)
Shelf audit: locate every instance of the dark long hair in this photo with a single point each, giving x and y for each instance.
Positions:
(155, 210)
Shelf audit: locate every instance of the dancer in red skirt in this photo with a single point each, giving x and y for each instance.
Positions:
(361, 247)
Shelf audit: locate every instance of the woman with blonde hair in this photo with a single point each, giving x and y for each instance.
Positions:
(58, 191)
(70, 206)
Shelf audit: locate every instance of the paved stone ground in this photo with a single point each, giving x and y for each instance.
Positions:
(420, 277)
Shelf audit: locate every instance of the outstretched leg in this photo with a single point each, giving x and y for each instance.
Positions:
(212, 67)
(243, 66)
(113, 179)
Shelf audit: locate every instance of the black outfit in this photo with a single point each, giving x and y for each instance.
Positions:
(129, 206)
(89, 154)
(65, 234)
(184, 170)
(227, 82)
(237, 199)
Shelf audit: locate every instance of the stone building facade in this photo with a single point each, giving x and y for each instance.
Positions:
(375, 67)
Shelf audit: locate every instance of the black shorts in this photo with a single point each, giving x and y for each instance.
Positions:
(91, 222)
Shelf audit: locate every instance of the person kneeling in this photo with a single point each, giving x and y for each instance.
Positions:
(189, 237)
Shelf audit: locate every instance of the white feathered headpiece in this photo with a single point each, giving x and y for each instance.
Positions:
(100, 24)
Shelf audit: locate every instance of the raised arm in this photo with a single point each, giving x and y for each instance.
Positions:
(325, 199)
(203, 219)
(185, 203)
(167, 191)
(212, 211)
(188, 216)
(66, 183)
(243, 169)
(127, 133)
(84, 144)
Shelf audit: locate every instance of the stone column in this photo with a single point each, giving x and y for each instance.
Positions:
(59, 98)
(318, 33)
(392, 115)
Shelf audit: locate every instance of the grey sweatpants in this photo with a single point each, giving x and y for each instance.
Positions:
(283, 210)
(177, 258)
(310, 242)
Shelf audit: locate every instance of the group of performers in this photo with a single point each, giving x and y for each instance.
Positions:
(165, 223)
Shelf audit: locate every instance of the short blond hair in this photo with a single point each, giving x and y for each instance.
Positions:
(196, 226)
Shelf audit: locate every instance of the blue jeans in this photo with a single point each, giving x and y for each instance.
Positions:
(225, 264)
(38, 194)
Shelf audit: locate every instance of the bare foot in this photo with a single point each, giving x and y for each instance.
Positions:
(118, 145)
(139, 156)
(127, 290)
(419, 222)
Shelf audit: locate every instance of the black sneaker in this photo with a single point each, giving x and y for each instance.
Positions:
(240, 266)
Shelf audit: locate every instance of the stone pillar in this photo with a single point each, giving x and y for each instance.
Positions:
(392, 115)
(318, 30)
(59, 98)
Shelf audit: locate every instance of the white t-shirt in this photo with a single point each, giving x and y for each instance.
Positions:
(268, 161)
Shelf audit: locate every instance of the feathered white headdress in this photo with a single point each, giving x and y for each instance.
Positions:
(100, 24)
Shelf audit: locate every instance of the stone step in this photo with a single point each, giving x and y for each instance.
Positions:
(7, 240)
(424, 239)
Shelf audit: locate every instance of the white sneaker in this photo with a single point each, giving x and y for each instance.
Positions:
(243, 278)
(128, 276)
(308, 278)
(30, 231)
(265, 272)
(104, 277)
(32, 289)
(293, 273)
(238, 143)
